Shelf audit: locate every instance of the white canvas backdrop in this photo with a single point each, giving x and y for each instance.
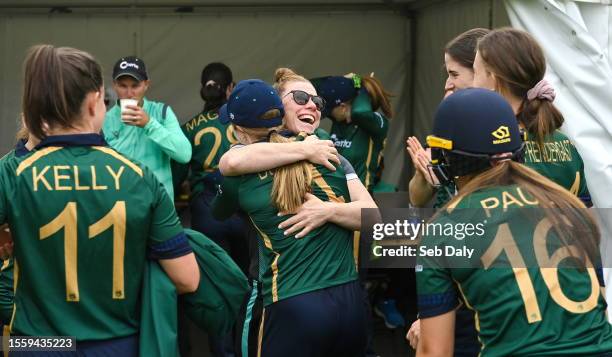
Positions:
(577, 39)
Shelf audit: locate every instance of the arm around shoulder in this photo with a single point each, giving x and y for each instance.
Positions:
(260, 157)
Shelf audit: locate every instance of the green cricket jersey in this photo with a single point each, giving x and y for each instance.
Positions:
(362, 141)
(209, 139)
(6, 291)
(9, 155)
(83, 218)
(6, 270)
(290, 266)
(19, 151)
(560, 162)
(534, 309)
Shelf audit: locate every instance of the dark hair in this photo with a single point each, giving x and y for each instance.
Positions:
(215, 79)
(463, 47)
(56, 81)
(518, 64)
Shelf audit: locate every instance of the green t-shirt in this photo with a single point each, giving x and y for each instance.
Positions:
(362, 141)
(290, 266)
(525, 311)
(560, 162)
(9, 155)
(209, 139)
(83, 218)
(6, 270)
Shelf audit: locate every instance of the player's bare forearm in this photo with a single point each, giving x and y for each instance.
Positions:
(260, 157)
(437, 336)
(183, 272)
(348, 215)
(420, 190)
(314, 212)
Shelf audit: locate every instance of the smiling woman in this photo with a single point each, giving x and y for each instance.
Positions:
(310, 282)
(459, 55)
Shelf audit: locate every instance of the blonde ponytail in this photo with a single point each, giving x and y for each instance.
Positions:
(291, 182)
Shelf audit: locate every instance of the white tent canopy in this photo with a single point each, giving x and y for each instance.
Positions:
(577, 39)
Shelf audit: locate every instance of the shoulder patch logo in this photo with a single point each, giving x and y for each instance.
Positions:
(502, 135)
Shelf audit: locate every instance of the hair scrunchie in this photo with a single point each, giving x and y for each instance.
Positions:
(542, 90)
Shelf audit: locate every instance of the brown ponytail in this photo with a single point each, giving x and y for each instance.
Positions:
(378, 94)
(56, 81)
(517, 61)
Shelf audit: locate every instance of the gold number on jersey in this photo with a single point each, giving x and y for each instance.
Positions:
(551, 277)
(505, 243)
(231, 135)
(115, 218)
(217, 143)
(67, 219)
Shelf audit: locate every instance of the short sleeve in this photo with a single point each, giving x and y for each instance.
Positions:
(165, 222)
(436, 290)
(166, 237)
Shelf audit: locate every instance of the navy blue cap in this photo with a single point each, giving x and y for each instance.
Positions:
(335, 90)
(477, 121)
(130, 66)
(252, 105)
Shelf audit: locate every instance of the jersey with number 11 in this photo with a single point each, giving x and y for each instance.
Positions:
(82, 218)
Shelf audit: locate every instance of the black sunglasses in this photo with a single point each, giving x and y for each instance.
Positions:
(301, 98)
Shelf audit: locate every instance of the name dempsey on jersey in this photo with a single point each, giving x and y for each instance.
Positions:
(68, 178)
(422, 251)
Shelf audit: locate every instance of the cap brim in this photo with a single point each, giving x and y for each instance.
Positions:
(136, 76)
(223, 114)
